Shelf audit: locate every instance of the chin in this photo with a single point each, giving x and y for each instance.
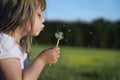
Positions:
(36, 34)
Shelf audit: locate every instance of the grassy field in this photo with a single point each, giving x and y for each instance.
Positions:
(82, 64)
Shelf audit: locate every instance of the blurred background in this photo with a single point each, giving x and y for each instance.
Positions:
(90, 49)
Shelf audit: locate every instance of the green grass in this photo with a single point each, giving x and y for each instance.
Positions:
(78, 63)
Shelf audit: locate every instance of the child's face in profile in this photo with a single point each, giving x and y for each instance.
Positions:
(38, 25)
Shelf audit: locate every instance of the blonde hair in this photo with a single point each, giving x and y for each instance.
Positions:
(16, 13)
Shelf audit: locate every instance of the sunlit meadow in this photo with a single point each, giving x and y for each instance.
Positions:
(81, 64)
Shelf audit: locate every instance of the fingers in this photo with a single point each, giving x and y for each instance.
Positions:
(56, 53)
(51, 55)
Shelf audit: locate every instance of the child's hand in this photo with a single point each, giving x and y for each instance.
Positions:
(50, 56)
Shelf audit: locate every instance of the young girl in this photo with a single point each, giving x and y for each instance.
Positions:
(20, 20)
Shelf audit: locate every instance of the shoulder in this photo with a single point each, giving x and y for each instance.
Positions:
(6, 40)
(8, 47)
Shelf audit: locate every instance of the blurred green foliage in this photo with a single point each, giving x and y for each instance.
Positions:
(99, 33)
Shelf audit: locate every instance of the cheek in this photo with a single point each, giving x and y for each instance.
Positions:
(37, 22)
(36, 25)
(27, 28)
(36, 28)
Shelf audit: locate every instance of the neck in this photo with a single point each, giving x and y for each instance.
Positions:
(18, 34)
(17, 37)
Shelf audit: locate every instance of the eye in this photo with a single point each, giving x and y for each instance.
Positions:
(39, 15)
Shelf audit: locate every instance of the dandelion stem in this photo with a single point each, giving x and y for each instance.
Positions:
(57, 42)
(50, 65)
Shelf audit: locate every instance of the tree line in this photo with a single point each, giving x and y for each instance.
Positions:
(99, 33)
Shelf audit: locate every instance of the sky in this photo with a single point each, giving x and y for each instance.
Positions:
(86, 10)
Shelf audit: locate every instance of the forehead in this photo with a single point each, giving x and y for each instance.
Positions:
(41, 4)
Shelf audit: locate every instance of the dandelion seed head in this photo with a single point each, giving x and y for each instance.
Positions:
(59, 35)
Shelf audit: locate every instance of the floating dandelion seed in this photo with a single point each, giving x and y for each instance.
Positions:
(69, 30)
(59, 36)
(91, 33)
(66, 40)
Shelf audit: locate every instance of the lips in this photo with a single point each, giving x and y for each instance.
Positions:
(42, 27)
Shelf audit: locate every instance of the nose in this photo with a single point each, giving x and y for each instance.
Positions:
(43, 19)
